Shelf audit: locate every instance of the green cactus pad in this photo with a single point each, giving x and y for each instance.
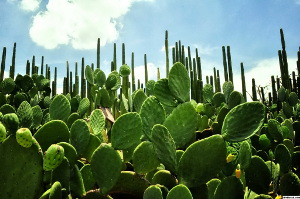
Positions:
(230, 188)
(94, 143)
(25, 114)
(60, 108)
(19, 98)
(274, 129)
(6, 108)
(281, 94)
(52, 132)
(27, 83)
(24, 137)
(138, 99)
(165, 147)
(72, 118)
(263, 196)
(182, 123)
(124, 70)
(227, 89)
(129, 185)
(83, 107)
(153, 192)
(2, 132)
(150, 87)
(70, 152)
(293, 99)
(89, 74)
(7, 85)
(80, 136)
(76, 183)
(208, 92)
(290, 184)
(243, 121)
(163, 93)
(21, 173)
(245, 153)
(274, 169)
(113, 81)
(97, 121)
(202, 160)
(105, 98)
(264, 141)
(55, 191)
(258, 176)
(53, 157)
(144, 158)
(126, 131)
(235, 98)
(165, 178)
(37, 116)
(106, 166)
(152, 112)
(218, 98)
(179, 82)
(212, 185)
(179, 192)
(11, 122)
(87, 177)
(99, 77)
(283, 157)
(74, 104)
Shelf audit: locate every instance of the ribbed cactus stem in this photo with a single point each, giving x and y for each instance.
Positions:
(277, 83)
(282, 39)
(244, 91)
(193, 94)
(123, 54)
(146, 69)
(27, 67)
(183, 55)
(33, 65)
(82, 92)
(54, 90)
(207, 79)
(112, 66)
(76, 86)
(274, 91)
(46, 72)
(298, 63)
(200, 83)
(211, 80)
(139, 84)
(65, 86)
(224, 63)
(298, 86)
(98, 53)
(263, 99)
(167, 53)
(190, 58)
(3, 64)
(42, 66)
(158, 74)
(68, 78)
(270, 99)
(199, 69)
(294, 88)
(70, 84)
(215, 80)
(173, 56)
(115, 57)
(176, 52)
(13, 62)
(49, 74)
(132, 73)
(254, 94)
(76, 69)
(229, 64)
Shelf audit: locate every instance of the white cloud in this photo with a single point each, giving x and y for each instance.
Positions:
(139, 73)
(27, 5)
(79, 22)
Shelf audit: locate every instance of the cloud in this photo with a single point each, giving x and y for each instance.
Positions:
(79, 22)
(27, 5)
(139, 73)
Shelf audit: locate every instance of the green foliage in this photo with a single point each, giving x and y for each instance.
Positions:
(79, 136)
(230, 188)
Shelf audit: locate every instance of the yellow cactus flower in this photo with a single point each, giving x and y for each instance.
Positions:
(278, 197)
(230, 158)
(238, 173)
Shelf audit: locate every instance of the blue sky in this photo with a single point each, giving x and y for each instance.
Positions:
(67, 30)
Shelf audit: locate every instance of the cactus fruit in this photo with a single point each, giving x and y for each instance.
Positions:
(53, 157)
(2, 132)
(11, 122)
(24, 137)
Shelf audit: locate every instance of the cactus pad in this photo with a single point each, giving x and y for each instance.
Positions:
(179, 192)
(60, 108)
(53, 157)
(163, 93)
(97, 122)
(25, 114)
(2, 132)
(24, 137)
(230, 188)
(124, 70)
(79, 136)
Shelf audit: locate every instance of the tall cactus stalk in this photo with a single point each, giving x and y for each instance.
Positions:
(13, 63)
(225, 63)
(42, 66)
(193, 94)
(146, 69)
(274, 91)
(173, 56)
(190, 58)
(83, 81)
(123, 54)
(215, 80)
(182, 55)
(70, 84)
(125, 80)
(199, 69)
(167, 53)
(98, 53)
(132, 73)
(158, 74)
(254, 94)
(68, 78)
(54, 90)
(27, 67)
(115, 57)
(243, 81)
(176, 52)
(229, 64)
(294, 87)
(263, 99)
(179, 51)
(33, 65)
(3, 64)
(298, 62)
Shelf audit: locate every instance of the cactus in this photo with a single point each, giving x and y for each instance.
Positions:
(53, 157)
(144, 158)
(290, 184)
(22, 167)
(283, 157)
(70, 153)
(127, 127)
(242, 122)
(230, 187)
(151, 112)
(11, 122)
(51, 133)
(179, 192)
(25, 114)
(2, 133)
(179, 82)
(165, 178)
(83, 107)
(60, 108)
(79, 136)
(7, 85)
(212, 151)
(212, 185)
(274, 129)
(97, 121)
(24, 137)
(99, 77)
(153, 192)
(217, 99)
(106, 167)
(182, 123)
(208, 93)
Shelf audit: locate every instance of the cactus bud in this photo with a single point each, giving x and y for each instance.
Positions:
(24, 137)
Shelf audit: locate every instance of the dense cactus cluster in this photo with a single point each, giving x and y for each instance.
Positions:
(175, 137)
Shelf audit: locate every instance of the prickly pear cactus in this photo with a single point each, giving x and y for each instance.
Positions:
(2, 132)
(7, 85)
(53, 157)
(274, 129)
(80, 136)
(106, 167)
(99, 77)
(60, 108)
(290, 184)
(153, 192)
(11, 122)
(208, 93)
(24, 137)
(113, 81)
(84, 105)
(191, 170)
(230, 188)
(25, 114)
(163, 93)
(97, 122)
(243, 121)
(21, 173)
(227, 89)
(55, 191)
(180, 192)
(124, 70)
(126, 131)
(51, 133)
(179, 82)
(89, 74)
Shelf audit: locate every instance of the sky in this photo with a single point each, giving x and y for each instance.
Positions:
(67, 30)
